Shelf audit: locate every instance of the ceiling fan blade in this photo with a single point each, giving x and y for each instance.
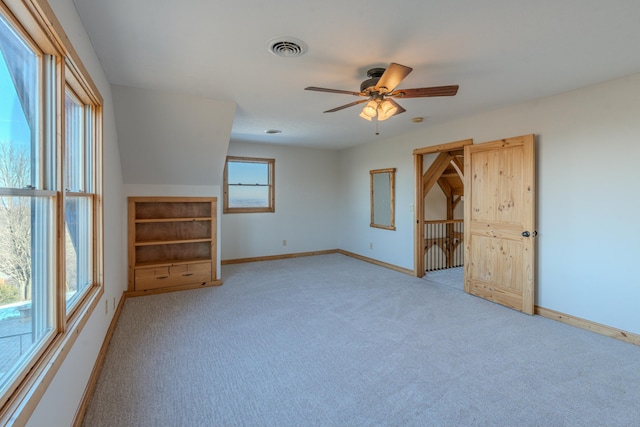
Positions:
(424, 92)
(392, 77)
(322, 89)
(342, 107)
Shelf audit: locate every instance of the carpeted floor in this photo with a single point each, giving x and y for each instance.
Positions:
(452, 277)
(333, 341)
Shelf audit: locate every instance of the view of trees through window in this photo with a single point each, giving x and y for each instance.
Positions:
(25, 209)
(50, 199)
(15, 223)
(15, 169)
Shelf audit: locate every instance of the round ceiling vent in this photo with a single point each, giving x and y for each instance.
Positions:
(288, 47)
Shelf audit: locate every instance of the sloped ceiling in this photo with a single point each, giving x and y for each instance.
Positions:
(500, 52)
(171, 138)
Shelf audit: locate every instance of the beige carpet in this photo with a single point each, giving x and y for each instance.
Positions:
(452, 277)
(333, 341)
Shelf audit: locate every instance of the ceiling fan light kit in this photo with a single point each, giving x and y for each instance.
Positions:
(386, 109)
(364, 116)
(380, 88)
(370, 109)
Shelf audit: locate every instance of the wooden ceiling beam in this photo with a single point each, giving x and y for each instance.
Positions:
(458, 165)
(452, 146)
(456, 200)
(446, 188)
(432, 175)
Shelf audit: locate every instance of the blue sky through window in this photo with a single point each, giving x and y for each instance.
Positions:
(14, 128)
(249, 174)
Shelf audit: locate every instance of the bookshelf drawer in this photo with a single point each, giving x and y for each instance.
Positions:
(174, 275)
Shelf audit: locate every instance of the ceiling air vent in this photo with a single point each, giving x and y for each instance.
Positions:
(288, 47)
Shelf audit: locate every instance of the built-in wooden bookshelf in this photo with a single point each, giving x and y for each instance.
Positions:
(172, 243)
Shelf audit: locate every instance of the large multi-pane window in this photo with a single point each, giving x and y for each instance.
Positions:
(27, 204)
(50, 241)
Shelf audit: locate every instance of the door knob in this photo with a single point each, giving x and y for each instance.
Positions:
(526, 234)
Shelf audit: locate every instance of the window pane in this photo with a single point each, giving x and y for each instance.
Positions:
(249, 185)
(74, 144)
(27, 280)
(78, 237)
(88, 148)
(18, 112)
(248, 173)
(248, 196)
(78, 209)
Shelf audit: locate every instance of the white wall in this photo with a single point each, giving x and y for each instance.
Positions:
(587, 196)
(173, 144)
(306, 205)
(394, 247)
(171, 138)
(60, 402)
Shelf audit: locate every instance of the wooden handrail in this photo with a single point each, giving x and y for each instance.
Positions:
(443, 221)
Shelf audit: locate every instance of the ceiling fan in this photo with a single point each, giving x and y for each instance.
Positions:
(379, 92)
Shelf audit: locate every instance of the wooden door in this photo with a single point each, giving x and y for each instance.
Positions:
(499, 216)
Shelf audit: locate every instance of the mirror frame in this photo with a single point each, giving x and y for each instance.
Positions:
(391, 197)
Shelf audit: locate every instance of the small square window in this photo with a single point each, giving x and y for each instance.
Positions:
(249, 185)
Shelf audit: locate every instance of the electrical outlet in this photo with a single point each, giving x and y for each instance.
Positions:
(284, 243)
(370, 245)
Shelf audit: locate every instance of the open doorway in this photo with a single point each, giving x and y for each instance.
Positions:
(439, 226)
(499, 216)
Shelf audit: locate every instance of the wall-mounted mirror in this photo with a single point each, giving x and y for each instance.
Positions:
(383, 198)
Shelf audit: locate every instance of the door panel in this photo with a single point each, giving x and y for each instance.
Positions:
(499, 207)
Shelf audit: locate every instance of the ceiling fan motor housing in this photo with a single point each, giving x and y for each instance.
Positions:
(369, 84)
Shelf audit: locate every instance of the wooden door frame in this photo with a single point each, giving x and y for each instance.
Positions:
(418, 220)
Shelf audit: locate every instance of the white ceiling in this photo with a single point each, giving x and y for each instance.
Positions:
(500, 52)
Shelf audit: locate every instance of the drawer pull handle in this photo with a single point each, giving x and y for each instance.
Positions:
(162, 277)
(188, 274)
